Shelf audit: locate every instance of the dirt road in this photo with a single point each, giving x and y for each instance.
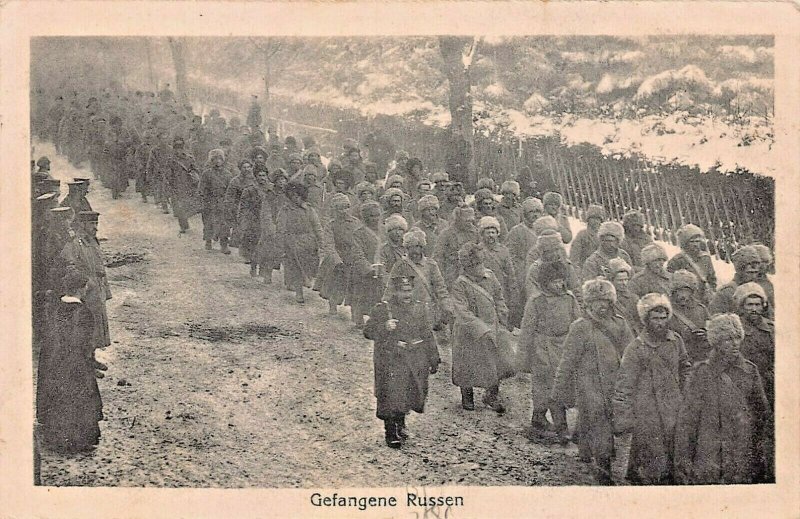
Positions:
(217, 380)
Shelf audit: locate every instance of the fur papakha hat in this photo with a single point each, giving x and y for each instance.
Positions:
(364, 186)
(488, 222)
(393, 191)
(510, 186)
(370, 207)
(617, 265)
(653, 252)
(549, 240)
(552, 198)
(651, 302)
(596, 211)
(611, 229)
(415, 237)
(746, 290)
(427, 201)
(744, 256)
(340, 201)
(764, 252)
(396, 221)
(597, 289)
(683, 279)
(395, 178)
(533, 204)
(633, 217)
(543, 223)
(440, 176)
(470, 254)
(687, 232)
(723, 327)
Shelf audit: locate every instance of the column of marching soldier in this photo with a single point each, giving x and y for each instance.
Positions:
(636, 341)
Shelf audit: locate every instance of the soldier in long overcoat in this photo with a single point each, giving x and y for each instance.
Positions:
(497, 258)
(83, 253)
(544, 326)
(213, 185)
(553, 206)
(722, 435)
(588, 371)
(480, 313)
(333, 277)
(183, 180)
(747, 262)
(652, 277)
(404, 354)
(688, 315)
(587, 241)
(648, 393)
(233, 197)
(610, 236)
(636, 238)
(430, 223)
(68, 404)
(452, 240)
(300, 233)
(694, 258)
(363, 260)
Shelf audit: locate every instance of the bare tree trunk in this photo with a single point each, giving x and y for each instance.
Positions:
(457, 53)
(265, 103)
(179, 60)
(150, 75)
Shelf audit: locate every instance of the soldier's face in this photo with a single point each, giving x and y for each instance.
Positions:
(657, 320)
(429, 214)
(510, 198)
(366, 196)
(396, 201)
(296, 164)
(487, 206)
(406, 293)
(556, 286)
(751, 271)
(695, 244)
(656, 266)
(683, 296)
(552, 209)
(593, 224)
(246, 168)
(621, 280)
(354, 155)
(531, 216)
(260, 159)
(599, 307)
(340, 185)
(396, 235)
(551, 255)
(609, 243)
(728, 348)
(371, 219)
(753, 308)
(218, 161)
(475, 269)
(262, 177)
(415, 252)
(490, 235)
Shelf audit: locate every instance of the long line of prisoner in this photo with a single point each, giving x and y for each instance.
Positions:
(637, 341)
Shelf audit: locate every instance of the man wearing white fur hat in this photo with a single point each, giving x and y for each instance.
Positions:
(648, 392)
(392, 249)
(750, 302)
(496, 256)
(694, 258)
(587, 373)
(610, 235)
(509, 207)
(653, 278)
(429, 222)
(722, 435)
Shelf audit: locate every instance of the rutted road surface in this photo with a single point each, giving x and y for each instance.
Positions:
(217, 380)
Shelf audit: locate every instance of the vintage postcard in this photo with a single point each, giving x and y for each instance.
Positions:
(436, 259)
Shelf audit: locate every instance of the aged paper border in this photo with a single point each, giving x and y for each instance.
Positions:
(20, 21)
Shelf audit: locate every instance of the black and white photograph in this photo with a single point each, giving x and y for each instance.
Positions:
(420, 262)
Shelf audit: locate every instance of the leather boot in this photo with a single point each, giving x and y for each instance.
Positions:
(467, 398)
(390, 432)
(492, 400)
(401, 428)
(224, 246)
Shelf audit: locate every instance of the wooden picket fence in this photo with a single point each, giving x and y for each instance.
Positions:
(733, 209)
